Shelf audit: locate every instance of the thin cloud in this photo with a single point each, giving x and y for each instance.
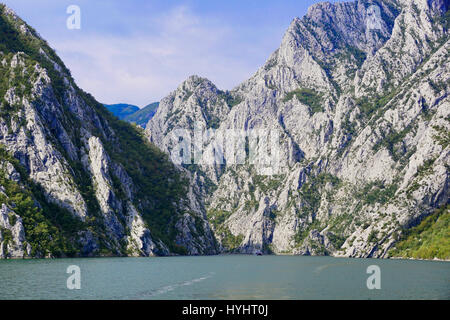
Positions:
(142, 68)
(138, 52)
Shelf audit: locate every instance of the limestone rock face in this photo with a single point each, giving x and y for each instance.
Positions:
(358, 93)
(12, 235)
(81, 190)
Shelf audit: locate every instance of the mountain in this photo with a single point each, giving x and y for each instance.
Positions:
(121, 110)
(133, 114)
(142, 116)
(359, 95)
(75, 180)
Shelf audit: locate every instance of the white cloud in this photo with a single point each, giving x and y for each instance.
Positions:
(143, 68)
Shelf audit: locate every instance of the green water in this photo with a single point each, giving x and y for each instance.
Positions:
(224, 277)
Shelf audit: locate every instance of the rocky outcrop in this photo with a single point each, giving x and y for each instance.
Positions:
(12, 235)
(358, 93)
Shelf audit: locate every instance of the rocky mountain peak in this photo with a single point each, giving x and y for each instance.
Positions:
(357, 91)
(194, 81)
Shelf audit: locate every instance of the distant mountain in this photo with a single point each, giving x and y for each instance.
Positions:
(121, 110)
(142, 116)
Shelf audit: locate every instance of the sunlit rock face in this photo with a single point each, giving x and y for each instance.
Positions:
(358, 93)
(72, 180)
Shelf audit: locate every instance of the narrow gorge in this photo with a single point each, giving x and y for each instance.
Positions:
(363, 113)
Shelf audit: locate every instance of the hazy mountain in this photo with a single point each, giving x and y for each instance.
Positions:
(359, 92)
(142, 116)
(121, 110)
(75, 180)
(132, 113)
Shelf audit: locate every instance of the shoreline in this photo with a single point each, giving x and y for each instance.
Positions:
(222, 254)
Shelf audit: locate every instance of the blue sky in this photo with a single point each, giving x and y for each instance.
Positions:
(138, 51)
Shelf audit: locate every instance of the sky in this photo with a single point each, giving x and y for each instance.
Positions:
(138, 51)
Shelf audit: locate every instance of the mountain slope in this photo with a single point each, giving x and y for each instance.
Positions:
(75, 180)
(363, 117)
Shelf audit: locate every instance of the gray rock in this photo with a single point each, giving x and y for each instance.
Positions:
(355, 168)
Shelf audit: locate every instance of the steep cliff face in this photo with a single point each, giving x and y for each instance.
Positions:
(74, 179)
(358, 92)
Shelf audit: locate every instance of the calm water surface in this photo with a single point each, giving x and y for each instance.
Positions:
(224, 277)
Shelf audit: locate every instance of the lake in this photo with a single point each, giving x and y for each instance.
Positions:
(224, 277)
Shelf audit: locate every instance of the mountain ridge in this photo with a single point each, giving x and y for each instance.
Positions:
(132, 113)
(76, 181)
(361, 108)
(142, 116)
(121, 110)
(361, 113)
